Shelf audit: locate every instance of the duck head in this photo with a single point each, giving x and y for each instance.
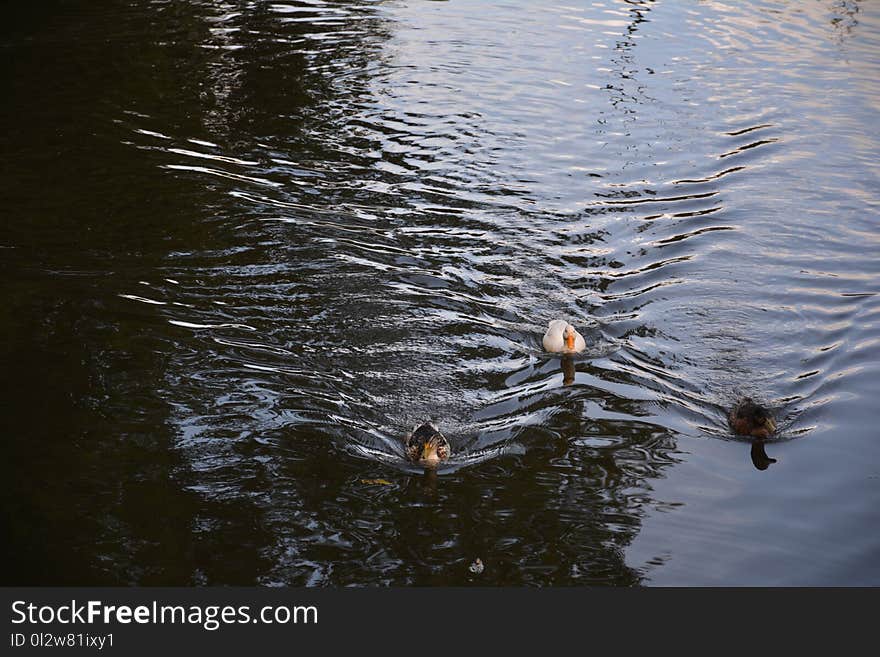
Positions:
(568, 334)
(426, 446)
(751, 419)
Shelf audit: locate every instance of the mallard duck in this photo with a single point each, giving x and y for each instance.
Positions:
(750, 419)
(426, 446)
(561, 337)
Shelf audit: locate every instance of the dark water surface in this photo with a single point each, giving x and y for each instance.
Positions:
(247, 245)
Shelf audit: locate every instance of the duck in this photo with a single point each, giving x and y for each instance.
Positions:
(561, 337)
(750, 419)
(426, 446)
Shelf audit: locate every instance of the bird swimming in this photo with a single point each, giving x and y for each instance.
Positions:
(750, 419)
(426, 446)
(561, 337)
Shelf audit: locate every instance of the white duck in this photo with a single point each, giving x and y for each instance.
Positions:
(561, 337)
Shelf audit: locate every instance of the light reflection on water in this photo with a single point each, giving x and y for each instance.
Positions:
(330, 222)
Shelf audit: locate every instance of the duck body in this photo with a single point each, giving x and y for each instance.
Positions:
(750, 419)
(426, 446)
(562, 338)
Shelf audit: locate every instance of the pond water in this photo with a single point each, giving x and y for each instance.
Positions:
(248, 245)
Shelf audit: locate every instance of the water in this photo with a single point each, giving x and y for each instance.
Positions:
(247, 246)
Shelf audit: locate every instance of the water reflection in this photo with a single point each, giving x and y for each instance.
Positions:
(759, 455)
(568, 370)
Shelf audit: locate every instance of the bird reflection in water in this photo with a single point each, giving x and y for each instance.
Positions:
(759, 457)
(428, 482)
(567, 370)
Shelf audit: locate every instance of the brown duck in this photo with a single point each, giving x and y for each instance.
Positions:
(426, 446)
(750, 419)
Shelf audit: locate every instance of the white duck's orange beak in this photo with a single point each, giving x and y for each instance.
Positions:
(569, 340)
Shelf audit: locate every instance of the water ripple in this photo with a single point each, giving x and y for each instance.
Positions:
(390, 246)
